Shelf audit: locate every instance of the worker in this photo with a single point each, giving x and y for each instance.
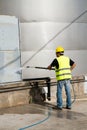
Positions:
(63, 67)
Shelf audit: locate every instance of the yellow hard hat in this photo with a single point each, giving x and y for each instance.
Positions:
(60, 49)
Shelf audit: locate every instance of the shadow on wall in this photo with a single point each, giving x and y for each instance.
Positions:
(37, 95)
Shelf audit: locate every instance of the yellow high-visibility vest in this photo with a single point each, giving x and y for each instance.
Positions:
(63, 72)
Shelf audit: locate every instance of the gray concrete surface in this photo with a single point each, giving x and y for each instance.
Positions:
(44, 117)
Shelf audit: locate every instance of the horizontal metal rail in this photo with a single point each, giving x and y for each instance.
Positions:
(29, 84)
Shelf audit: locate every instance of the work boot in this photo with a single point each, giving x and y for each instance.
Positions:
(57, 108)
(68, 107)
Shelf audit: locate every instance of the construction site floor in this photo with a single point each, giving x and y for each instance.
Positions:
(44, 117)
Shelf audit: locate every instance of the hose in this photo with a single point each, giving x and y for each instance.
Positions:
(39, 122)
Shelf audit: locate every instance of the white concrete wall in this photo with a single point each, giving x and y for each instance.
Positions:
(47, 23)
(44, 10)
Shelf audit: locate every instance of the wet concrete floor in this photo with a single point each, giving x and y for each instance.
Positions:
(44, 117)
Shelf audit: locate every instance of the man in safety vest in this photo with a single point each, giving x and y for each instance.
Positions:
(63, 67)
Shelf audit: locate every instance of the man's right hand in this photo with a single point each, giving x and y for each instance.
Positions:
(49, 67)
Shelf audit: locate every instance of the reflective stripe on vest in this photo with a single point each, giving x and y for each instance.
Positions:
(63, 72)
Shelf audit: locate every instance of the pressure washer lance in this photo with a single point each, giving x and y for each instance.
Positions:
(36, 67)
